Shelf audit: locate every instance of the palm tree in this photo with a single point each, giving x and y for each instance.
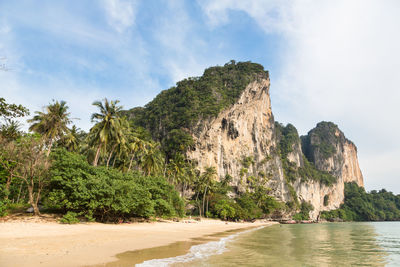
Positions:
(152, 160)
(11, 130)
(72, 139)
(136, 146)
(52, 124)
(108, 125)
(118, 144)
(177, 169)
(206, 180)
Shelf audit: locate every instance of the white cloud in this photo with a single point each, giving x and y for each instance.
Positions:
(271, 15)
(34, 87)
(340, 62)
(181, 49)
(120, 13)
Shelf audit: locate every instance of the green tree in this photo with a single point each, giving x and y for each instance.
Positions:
(72, 139)
(108, 125)
(152, 160)
(52, 124)
(9, 111)
(10, 130)
(204, 183)
(25, 159)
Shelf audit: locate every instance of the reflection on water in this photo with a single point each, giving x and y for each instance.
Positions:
(330, 244)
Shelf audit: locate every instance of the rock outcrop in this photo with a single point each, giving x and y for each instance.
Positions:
(243, 142)
(243, 132)
(330, 151)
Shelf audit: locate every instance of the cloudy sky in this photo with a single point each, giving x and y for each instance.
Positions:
(329, 60)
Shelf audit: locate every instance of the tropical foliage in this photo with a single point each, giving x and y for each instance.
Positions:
(52, 124)
(362, 206)
(288, 140)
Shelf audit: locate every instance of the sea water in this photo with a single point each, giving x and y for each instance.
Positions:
(325, 244)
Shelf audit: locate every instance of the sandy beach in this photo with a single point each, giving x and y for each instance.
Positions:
(53, 244)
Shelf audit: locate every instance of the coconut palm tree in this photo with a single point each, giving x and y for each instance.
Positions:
(11, 130)
(152, 160)
(108, 126)
(51, 124)
(119, 142)
(136, 146)
(204, 182)
(72, 139)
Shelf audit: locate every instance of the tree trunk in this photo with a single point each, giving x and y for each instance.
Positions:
(8, 183)
(51, 144)
(207, 207)
(33, 203)
(109, 157)
(204, 197)
(96, 158)
(183, 189)
(115, 158)
(19, 193)
(130, 162)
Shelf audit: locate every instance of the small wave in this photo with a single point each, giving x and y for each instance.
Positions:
(202, 251)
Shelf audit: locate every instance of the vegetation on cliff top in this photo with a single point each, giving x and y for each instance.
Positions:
(322, 138)
(288, 139)
(175, 112)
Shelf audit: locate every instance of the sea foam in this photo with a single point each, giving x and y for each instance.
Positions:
(196, 252)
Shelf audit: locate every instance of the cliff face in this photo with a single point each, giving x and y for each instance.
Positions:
(240, 141)
(243, 142)
(330, 151)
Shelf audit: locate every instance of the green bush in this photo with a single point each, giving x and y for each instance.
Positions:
(3, 208)
(108, 194)
(304, 214)
(247, 209)
(70, 218)
(225, 209)
(362, 206)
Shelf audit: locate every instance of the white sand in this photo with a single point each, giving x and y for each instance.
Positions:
(53, 244)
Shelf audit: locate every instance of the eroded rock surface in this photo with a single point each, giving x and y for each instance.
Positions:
(242, 142)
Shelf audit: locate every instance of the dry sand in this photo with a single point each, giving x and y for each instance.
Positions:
(53, 244)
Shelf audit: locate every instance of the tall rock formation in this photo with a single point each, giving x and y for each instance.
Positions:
(241, 142)
(331, 151)
(244, 142)
(223, 119)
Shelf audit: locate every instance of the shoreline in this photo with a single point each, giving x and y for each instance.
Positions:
(53, 244)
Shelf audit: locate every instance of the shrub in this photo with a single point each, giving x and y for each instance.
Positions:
(304, 213)
(224, 209)
(108, 194)
(326, 200)
(70, 218)
(3, 208)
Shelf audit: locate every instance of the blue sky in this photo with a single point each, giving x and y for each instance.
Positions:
(328, 60)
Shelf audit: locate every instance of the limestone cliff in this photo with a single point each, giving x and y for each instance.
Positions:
(328, 148)
(246, 131)
(224, 120)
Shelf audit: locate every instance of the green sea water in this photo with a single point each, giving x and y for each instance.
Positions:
(325, 244)
(328, 244)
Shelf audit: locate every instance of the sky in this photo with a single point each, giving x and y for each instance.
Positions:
(328, 60)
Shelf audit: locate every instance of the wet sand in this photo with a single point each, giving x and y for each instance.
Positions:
(53, 244)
